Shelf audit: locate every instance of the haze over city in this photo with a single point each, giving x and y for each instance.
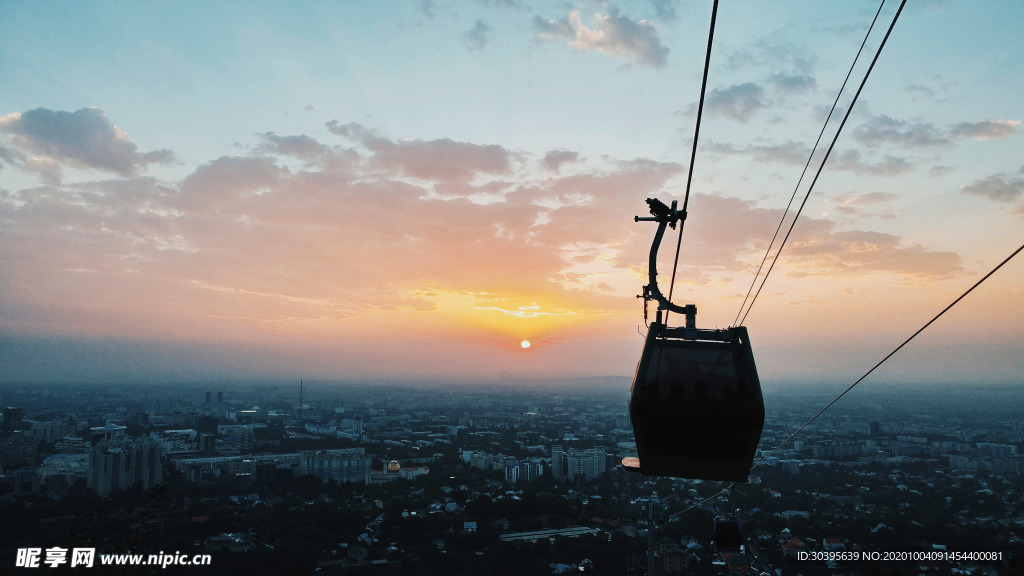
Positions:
(412, 190)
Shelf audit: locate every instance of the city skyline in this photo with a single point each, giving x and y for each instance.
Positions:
(410, 190)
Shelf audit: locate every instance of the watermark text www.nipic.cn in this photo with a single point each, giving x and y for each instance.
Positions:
(86, 558)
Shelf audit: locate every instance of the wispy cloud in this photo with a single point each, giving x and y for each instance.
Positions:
(985, 130)
(441, 159)
(428, 8)
(245, 246)
(555, 159)
(857, 252)
(503, 3)
(884, 129)
(739, 101)
(302, 146)
(999, 188)
(793, 83)
(853, 161)
(48, 168)
(477, 37)
(768, 54)
(665, 9)
(788, 152)
(612, 34)
(861, 205)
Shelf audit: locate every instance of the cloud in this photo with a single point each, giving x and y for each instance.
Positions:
(224, 183)
(665, 9)
(816, 248)
(428, 8)
(10, 156)
(851, 160)
(612, 34)
(443, 159)
(48, 169)
(920, 90)
(793, 83)
(862, 205)
(788, 152)
(884, 129)
(554, 159)
(985, 130)
(768, 54)
(503, 3)
(476, 38)
(244, 249)
(938, 171)
(998, 188)
(302, 147)
(738, 102)
(85, 138)
(857, 252)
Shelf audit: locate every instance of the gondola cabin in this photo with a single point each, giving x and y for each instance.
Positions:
(727, 536)
(696, 404)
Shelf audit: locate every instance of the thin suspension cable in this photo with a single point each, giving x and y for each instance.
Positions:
(825, 159)
(866, 374)
(693, 150)
(807, 164)
(898, 348)
(704, 501)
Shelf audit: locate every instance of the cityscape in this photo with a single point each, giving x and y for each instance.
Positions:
(358, 288)
(504, 478)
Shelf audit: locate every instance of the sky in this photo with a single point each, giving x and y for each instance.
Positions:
(409, 190)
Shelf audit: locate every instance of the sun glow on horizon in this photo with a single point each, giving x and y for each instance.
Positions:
(505, 315)
(525, 344)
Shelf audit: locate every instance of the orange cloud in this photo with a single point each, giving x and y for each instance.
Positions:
(481, 249)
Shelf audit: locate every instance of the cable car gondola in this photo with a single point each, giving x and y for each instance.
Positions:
(696, 403)
(727, 535)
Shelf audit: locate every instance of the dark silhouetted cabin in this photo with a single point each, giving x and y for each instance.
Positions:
(727, 535)
(696, 404)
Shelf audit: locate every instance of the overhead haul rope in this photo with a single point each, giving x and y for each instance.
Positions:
(866, 374)
(807, 164)
(847, 115)
(704, 501)
(693, 150)
(825, 159)
(897, 349)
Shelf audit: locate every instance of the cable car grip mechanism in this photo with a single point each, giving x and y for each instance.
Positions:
(665, 216)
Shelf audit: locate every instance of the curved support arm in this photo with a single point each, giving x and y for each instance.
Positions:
(653, 292)
(664, 216)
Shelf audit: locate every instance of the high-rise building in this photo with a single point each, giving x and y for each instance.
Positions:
(110, 432)
(524, 471)
(529, 470)
(585, 464)
(557, 463)
(12, 419)
(123, 465)
(512, 472)
(623, 422)
(347, 465)
(207, 444)
(876, 428)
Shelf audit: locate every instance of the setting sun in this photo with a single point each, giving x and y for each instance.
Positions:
(525, 344)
